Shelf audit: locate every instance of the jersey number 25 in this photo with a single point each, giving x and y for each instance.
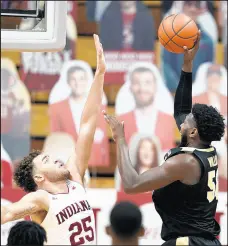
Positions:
(80, 228)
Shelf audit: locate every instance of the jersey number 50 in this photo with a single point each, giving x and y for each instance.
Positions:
(81, 227)
(213, 185)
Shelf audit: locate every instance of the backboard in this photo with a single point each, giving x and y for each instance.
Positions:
(33, 25)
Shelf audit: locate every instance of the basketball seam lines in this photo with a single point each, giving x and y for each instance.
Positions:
(175, 43)
(187, 37)
(166, 44)
(176, 34)
(165, 33)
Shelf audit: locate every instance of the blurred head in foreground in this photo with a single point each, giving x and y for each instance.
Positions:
(27, 233)
(125, 224)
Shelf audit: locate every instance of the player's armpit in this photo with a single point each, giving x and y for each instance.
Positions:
(175, 168)
(29, 204)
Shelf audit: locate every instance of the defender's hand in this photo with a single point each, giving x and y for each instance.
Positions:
(116, 126)
(101, 66)
(189, 55)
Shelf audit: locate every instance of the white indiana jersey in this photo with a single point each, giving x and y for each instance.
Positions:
(70, 219)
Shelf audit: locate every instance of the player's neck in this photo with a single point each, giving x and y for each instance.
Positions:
(198, 145)
(127, 242)
(55, 187)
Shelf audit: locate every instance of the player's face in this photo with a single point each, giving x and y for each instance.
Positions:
(146, 153)
(51, 169)
(188, 130)
(213, 82)
(78, 83)
(143, 88)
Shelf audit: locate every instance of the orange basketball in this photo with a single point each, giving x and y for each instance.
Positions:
(176, 31)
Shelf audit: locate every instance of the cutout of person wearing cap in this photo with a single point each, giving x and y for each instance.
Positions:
(15, 112)
(145, 104)
(210, 86)
(67, 99)
(145, 153)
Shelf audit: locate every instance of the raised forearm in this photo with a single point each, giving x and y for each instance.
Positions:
(93, 102)
(128, 174)
(187, 66)
(183, 96)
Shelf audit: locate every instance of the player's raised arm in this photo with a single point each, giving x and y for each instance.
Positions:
(183, 96)
(78, 163)
(156, 177)
(28, 205)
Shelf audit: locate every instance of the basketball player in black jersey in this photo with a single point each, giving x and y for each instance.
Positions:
(185, 186)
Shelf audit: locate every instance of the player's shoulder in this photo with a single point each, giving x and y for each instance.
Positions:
(182, 162)
(39, 195)
(75, 185)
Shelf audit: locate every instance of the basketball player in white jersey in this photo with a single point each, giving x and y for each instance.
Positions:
(57, 199)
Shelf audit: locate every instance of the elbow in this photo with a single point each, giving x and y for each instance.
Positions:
(130, 185)
(128, 190)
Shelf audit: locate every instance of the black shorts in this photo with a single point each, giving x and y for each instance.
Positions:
(192, 241)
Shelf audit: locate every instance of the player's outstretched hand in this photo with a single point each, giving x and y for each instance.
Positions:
(190, 54)
(101, 66)
(116, 126)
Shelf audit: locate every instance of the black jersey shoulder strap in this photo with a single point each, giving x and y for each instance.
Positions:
(173, 152)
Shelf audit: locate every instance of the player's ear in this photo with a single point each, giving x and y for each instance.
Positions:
(108, 230)
(141, 232)
(193, 132)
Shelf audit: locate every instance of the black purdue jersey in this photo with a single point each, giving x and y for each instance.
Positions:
(189, 210)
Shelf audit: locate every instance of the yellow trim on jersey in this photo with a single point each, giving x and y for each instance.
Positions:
(182, 241)
(190, 149)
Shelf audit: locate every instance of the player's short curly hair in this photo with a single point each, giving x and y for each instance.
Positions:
(209, 122)
(26, 233)
(23, 174)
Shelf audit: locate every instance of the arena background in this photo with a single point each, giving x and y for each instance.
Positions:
(35, 93)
